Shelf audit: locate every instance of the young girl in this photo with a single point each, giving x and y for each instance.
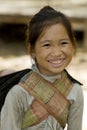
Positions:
(47, 98)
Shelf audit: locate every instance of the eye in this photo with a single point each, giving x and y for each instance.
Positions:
(46, 44)
(65, 42)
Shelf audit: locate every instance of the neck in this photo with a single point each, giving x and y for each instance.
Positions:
(49, 78)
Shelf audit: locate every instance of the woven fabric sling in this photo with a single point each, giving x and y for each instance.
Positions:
(50, 99)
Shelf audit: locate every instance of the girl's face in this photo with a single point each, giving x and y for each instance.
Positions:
(53, 50)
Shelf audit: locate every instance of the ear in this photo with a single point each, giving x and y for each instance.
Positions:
(31, 51)
(74, 51)
(29, 48)
(33, 55)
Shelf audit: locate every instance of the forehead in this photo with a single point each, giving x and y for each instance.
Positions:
(53, 31)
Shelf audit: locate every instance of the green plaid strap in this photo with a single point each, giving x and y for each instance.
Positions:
(35, 114)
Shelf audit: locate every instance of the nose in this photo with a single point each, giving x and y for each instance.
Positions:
(56, 51)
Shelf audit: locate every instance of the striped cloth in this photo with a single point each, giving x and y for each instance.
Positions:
(50, 99)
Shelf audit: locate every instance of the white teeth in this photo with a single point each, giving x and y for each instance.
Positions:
(59, 61)
(56, 62)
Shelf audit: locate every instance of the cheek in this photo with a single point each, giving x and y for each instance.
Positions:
(39, 54)
(70, 50)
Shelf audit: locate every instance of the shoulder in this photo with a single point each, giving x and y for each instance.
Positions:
(17, 90)
(72, 79)
(78, 88)
(76, 93)
(19, 95)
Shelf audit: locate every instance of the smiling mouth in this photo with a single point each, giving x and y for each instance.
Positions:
(57, 63)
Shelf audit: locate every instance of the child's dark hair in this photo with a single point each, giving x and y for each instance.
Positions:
(46, 17)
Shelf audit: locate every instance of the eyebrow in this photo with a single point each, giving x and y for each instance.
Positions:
(45, 41)
(65, 39)
(51, 41)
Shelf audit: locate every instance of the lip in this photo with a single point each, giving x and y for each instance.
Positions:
(56, 62)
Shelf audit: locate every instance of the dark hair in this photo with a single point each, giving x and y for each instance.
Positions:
(46, 17)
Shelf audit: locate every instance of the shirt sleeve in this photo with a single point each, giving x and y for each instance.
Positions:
(76, 110)
(13, 110)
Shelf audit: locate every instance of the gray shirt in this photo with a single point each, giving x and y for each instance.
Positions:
(18, 101)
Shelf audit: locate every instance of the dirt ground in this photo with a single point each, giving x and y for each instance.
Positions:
(16, 58)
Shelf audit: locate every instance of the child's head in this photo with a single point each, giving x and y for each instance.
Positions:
(45, 18)
(51, 41)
